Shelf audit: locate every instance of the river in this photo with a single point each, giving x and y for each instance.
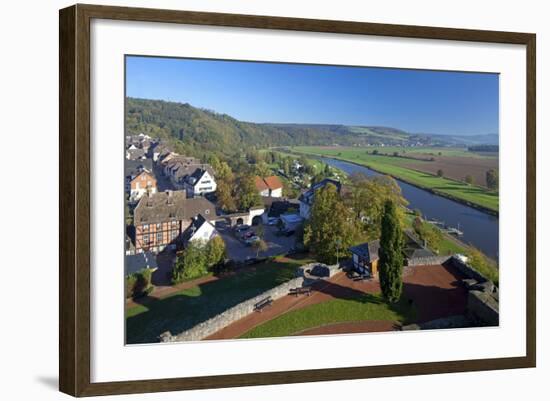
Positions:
(480, 229)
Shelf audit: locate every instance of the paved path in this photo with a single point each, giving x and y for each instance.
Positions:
(435, 291)
(371, 326)
(338, 286)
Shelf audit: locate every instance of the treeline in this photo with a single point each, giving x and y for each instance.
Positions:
(483, 148)
(198, 130)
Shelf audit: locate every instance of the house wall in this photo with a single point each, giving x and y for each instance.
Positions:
(140, 184)
(157, 236)
(205, 233)
(205, 185)
(276, 193)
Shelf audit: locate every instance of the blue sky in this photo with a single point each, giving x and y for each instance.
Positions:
(413, 100)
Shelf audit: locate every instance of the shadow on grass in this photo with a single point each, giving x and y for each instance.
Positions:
(404, 307)
(187, 308)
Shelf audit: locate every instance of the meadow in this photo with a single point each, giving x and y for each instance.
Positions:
(399, 166)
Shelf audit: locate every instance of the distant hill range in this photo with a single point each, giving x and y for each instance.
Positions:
(195, 129)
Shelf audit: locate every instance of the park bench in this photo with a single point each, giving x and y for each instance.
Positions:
(259, 306)
(359, 277)
(300, 290)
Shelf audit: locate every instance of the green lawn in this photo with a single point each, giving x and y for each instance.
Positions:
(364, 307)
(394, 166)
(182, 310)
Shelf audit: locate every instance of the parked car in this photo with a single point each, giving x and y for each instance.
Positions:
(248, 234)
(272, 221)
(288, 233)
(241, 228)
(251, 240)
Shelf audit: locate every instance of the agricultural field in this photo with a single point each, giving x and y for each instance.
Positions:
(419, 167)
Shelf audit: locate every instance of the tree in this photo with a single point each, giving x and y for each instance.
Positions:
(215, 252)
(260, 231)
(440, 173)
(317, 178)
(469, 179)
(491, 178)
(225, 196)
(286, 166)
(428, 233)
(367, 199)
(331, 227)
(247, 193)
(390, 254)
(260, 246)
(192, 264)
(262, 169)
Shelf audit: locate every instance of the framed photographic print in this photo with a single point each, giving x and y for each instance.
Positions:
(278, 200)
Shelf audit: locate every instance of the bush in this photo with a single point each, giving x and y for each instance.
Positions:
(198, 259)
(139, 284)
(131, 281)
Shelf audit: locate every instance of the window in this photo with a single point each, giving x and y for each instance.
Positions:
(174, 234)
(158, 226)
(145, 227)
(159, 238)
(146, 239)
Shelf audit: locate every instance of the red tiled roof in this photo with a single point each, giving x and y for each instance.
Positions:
(273, 182)
(260, 183)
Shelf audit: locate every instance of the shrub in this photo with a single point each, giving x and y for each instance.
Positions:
(131, 281)
(139, 284)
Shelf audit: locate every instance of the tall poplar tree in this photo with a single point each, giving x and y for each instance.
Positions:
(390, 253)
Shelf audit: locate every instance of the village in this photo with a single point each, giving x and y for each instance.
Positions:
(181, 235)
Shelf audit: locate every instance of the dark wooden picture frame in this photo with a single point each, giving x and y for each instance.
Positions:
(74, 199)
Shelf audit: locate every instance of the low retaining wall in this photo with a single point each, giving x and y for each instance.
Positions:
(483, 308)
(218, 322)
(428, 261)
(461, 266)
(467, 270)
(451, 322)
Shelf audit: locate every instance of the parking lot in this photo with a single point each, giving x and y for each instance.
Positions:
(239, 251)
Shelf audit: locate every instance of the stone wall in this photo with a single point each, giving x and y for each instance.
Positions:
(483, 308)
(218, 322)
(428, 261)
(450, 322)
(482, 303)
(467, 270)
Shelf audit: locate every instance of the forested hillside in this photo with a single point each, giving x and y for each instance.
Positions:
(194, 130)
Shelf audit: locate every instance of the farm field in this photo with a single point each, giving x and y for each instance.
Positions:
(457, 167)
(465, 163)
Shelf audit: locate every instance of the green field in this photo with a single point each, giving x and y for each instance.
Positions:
(364, 307)
(184, 309)
(394, 166)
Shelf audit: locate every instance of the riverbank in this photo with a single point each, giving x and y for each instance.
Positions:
(482, 208)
